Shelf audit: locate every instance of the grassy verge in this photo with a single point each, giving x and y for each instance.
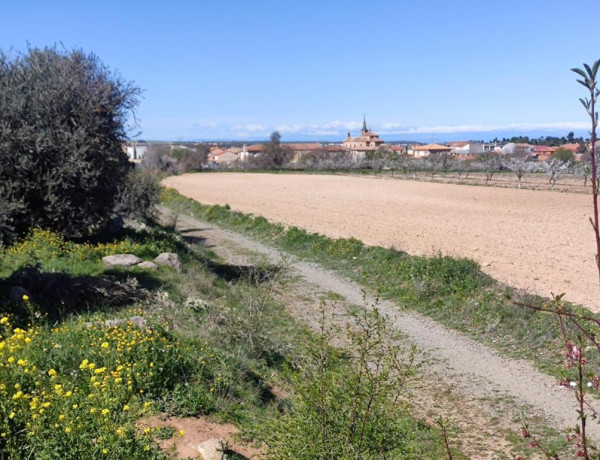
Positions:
(453, 291)
(93, 352)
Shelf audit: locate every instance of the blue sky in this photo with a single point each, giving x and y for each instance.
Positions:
(424, 70)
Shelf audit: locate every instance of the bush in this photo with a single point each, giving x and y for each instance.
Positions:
(138, 196)
(352, 408)
(63, 118)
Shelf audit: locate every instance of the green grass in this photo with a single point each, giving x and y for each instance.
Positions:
(450, 290)
(214, 344)
(51, 252)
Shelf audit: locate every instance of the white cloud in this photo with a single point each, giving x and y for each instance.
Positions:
(205, 125)
(247, 129)
(392, 128)
(293, 129)
(337, 129)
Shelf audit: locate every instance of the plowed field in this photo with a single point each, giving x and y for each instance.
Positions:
(537, 240)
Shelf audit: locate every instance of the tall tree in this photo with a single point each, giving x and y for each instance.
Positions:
(276, 155)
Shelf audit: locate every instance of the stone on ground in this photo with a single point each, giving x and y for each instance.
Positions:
(136, 321)
(170, 259)
(213, 449)
(121, 260)
(147, 265)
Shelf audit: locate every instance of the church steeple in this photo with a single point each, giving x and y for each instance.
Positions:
(364, 127)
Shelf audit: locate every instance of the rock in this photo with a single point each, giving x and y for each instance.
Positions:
(16, 293)
(486, 264)
(170, 259)
(136, 321)
(113, 322)
(148, 265)
(121, 260)
(134, 224)
(213, 449)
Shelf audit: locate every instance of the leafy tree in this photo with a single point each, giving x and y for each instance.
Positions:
(160, 159)
(275, 155)
(191, 159)
(563, 155)
(138, 195)
(63, 120)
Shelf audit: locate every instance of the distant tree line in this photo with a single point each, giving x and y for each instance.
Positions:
(552, 141)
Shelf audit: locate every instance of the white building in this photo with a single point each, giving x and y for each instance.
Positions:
(136, 150)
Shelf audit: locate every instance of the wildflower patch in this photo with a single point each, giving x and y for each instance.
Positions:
(79, 388)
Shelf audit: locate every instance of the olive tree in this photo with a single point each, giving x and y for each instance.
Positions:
(63, 121)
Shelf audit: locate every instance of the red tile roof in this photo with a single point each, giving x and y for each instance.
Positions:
(432, 147)
(304, 146)
(256, 148)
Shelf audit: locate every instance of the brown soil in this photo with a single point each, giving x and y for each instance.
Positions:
(196, 431)
(536, 240)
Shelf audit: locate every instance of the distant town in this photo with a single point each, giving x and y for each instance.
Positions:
(368, 143)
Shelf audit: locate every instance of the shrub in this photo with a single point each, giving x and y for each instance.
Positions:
(350, 408)
(63, 119)
(138, 196)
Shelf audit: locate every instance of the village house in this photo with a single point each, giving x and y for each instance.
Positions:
(300, 149)
(421, 151)
(519, 150)
(218, 156)
(469, 148)
(135, 150)
(543, 152)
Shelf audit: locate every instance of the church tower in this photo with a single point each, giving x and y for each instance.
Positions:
(364, 126)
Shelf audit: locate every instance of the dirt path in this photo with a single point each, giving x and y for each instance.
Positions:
(536, 240)
(476, 389)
